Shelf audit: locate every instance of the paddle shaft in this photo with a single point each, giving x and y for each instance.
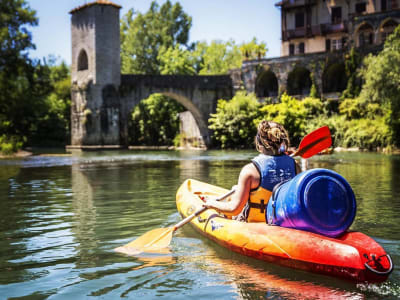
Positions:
(200, 211)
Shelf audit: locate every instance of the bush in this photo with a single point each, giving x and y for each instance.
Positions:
(155, 121)
(293, 114)
(363, 133)
(10, 145)
(233, 123)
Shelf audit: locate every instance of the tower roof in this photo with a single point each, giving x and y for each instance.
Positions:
(97, 2)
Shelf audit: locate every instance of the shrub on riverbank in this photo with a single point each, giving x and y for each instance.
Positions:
(357, 124)
(9, 144)
(233, 123)
(155, 121)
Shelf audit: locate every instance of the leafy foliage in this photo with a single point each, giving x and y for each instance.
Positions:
(233, 122)
(292, 114)
(363, 133)
(382, 81)
(176, 61)
(253, 50)
(144, 35)
(155, 121)
(217, 58)
(53, 123)
(34, 98)
(352, 63)
(20, 79)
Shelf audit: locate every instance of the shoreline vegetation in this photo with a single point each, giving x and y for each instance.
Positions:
(35, 101)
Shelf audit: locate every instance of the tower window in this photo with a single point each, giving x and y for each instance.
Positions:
(83, 63)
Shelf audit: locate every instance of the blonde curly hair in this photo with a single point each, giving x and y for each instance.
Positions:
(271, 136)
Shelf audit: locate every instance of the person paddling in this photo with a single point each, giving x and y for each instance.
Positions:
(258, 178)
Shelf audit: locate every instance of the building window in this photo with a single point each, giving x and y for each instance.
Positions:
(344, 42)
(301, 48)
(299, 19)
(327, 45)
(291, 49)
(83, 63)
(361, 7)
(383, 5)
(336, 15)
(336, 44)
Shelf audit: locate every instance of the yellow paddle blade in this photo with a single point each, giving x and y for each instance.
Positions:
(155, 240)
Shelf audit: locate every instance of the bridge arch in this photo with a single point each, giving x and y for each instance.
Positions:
(299, 81)
(334, 78)
(266, 84)
(194, 128)
(197, 94)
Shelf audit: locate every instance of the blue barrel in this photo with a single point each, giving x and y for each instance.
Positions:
(317, 200)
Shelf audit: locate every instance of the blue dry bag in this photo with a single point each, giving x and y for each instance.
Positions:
(317, 200)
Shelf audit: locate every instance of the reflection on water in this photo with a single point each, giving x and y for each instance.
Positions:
(61, 218)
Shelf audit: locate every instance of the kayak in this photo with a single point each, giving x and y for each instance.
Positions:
(353, 255)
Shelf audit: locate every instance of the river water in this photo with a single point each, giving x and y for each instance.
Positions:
(61, 216)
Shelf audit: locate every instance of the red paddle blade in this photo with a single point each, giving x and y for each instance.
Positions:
(315, 142)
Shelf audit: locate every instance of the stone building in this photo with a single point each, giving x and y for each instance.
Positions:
(315, 35)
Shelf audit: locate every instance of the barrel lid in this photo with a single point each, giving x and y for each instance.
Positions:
(328, 200)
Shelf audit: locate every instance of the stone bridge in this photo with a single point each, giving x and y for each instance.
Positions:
(198, 94)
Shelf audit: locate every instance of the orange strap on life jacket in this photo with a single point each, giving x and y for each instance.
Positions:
(258, 201)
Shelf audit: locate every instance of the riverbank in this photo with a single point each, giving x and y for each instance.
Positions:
(19, 153)
(60, 151)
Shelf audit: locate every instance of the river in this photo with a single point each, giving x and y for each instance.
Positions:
(61, 216)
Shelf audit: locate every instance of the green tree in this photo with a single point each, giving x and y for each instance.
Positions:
(291, 113)
(382, 81)
(20, 78)
(143, 36)
(253, 50)
(176, 61)
(352, 63)
(155, 121)
(53, 122)
(217, 58)
(233, 123)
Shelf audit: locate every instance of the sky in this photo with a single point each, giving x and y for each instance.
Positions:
(240, 20)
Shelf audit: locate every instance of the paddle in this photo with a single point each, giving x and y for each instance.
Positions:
(158, 239)
(314, 142)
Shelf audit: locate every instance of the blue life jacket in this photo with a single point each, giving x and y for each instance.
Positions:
(273, 170)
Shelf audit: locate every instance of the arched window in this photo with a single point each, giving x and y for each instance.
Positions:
(83, 63)
(365, 35)
(387, 29)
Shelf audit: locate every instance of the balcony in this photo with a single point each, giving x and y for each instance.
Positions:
(333, 28)
(294, 33)
(315, 30)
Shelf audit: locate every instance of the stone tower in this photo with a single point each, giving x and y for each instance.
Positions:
(95, 74)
